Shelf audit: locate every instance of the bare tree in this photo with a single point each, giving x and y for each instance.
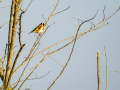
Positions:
(16, 19)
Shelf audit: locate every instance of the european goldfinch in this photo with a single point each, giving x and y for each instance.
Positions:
(39, 29)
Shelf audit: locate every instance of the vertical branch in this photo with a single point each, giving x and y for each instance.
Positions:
(15, 63)
(9, 37)
(1, 73)
(106, 67)
(20, 29)
(98, 68)
(11, 24)
(12, 35)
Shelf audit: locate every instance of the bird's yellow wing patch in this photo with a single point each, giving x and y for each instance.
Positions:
(36, 28)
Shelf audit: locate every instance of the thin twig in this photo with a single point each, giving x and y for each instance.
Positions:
(113, 71)
(8, 52)
(44, 18)
(5, 6)
(2, 1)
(26, 87)
(57, 62)
(82, 21)
(111, 15)
(3, 64)
(28, 5)
(104, 13)
(33, 78)
(19, 6)
(36, 75)
(53, 11)
(4, 24)
(39, 77)
(61, 11)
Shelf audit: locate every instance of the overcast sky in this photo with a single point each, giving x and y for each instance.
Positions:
(81, 72)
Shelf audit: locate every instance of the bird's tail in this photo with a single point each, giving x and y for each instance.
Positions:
(30, 32)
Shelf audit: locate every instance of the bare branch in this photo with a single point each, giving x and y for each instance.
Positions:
(68, 59)
(15, 63)
(35, 69)
(19, 6)
(111, 15)
(1, 73)
(33, 47)
(37, 40)
(39, 77)
(32, 78)
(1, 59)
(80, 35)
(36, 75)
(26, 87)
(61, 11)
(113, 71)
(71, 51)
(57, 62)
(106, 67)
(53, 11)
(5, 6)
(104, 13)
(76, 38)
(11, 40)
(82, 21)
(98, 68)
(28, 5)
(4, 24)
(20, 29)
(44, 18)
(2, 1)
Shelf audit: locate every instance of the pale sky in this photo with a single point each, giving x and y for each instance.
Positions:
(81, 72)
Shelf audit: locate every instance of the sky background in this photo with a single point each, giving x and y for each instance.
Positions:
(81, 72)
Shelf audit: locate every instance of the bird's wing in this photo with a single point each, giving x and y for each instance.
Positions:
(37, 28)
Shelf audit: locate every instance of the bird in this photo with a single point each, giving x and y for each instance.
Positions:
(39, 29)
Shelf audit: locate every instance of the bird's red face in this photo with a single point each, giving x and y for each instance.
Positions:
(43, 25)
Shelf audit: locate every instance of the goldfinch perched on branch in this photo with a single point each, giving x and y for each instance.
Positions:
(39, 29)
